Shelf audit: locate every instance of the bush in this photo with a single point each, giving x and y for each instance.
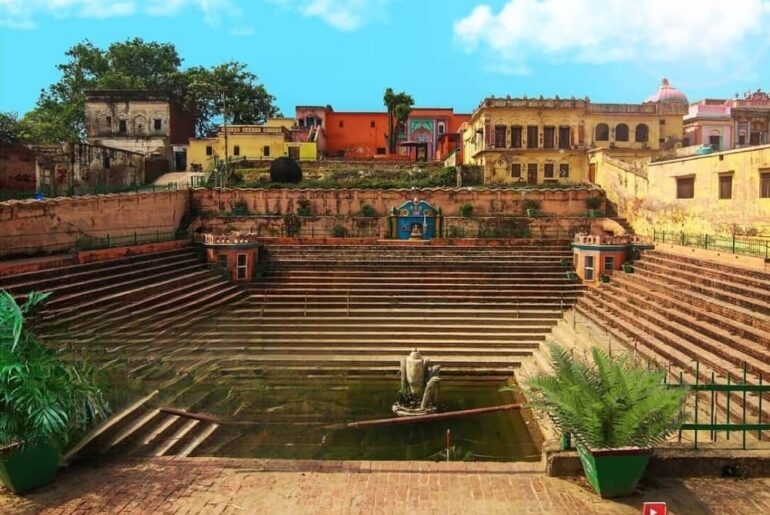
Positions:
(339, 232)
(466, 210)
(613, 403)
(43, 399)
(594, 202)
(367, 211)
(239, 208)
(303, 207)
(292, 224)
(285, 170)
(531, 204)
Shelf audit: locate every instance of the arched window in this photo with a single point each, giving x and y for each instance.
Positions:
(642, 134)
(602, 132)
(140, 124)
(621, 132)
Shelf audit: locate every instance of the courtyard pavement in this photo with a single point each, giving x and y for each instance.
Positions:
(215, 485)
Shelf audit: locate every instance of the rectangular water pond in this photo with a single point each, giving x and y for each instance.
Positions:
(286, 419)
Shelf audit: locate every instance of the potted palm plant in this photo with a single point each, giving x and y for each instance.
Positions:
(45, 401)
(616, 409)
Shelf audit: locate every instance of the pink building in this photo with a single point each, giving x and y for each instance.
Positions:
(728, 124)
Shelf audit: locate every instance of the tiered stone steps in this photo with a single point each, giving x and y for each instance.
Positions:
(677, 311)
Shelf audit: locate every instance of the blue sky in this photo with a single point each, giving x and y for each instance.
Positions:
(446, 53)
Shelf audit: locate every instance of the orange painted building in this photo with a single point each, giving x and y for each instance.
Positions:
(429, 134)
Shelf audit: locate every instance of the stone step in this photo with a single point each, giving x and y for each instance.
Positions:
(730, 325)
(735, 270)
(257, 309)
(731, 349)
(228, 324)
(709, 293)
(704, 268)
(761, 294)
(386, 275)
(243, 353)
(30, 279)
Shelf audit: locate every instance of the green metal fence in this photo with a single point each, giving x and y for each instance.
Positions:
(726, 243)
(125, 240)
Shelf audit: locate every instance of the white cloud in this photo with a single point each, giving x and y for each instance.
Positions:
(345, 15)
(22, 14)
(711, 33)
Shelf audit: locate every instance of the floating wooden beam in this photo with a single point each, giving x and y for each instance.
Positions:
(424, 418)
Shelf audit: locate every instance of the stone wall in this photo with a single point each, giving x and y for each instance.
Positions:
(17, 168)
(33, 226)
(329, 202)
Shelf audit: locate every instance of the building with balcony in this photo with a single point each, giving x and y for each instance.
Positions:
(539, 140)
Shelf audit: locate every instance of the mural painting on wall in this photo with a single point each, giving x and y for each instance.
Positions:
(416, 220)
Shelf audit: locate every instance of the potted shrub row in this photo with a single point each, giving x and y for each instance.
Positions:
(45, 402)
(615, 409)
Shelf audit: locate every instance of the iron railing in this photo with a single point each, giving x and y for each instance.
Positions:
(124, 240)
(733, 244)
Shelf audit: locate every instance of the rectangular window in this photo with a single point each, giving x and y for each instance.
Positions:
(516, 136)
(499, 136)
(764, 184)
(564, 137)
(532, 136)
(548, 171)
(741, 139)
(242, 266)
(222, 261)
(158, 124)
(564, 171)
(209, 150)
(714, 142)
(122, 126)
(588, 268)
(266, 151)
(236, 150)
(754, 138)
(726, 186)
(342, 123)
(662, 121)
(549, 137)
(686, 142)
(609, 263)
(380, 151)
(371, 124)
(106, 162)
(685, 187)
(516, 170)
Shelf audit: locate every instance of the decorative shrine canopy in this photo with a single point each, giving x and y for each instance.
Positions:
(416, 208)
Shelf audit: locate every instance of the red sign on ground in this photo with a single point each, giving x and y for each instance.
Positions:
(654, 508)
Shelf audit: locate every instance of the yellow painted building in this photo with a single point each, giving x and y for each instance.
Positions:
(700, 194)
(252, 143)
(551, 139)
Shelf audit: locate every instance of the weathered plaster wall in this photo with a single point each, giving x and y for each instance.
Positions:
(17, 168)
(54, 225)
(328, 202)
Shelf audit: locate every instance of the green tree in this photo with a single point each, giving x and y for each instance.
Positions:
(143, 65)
(399, 106)
(11, 128)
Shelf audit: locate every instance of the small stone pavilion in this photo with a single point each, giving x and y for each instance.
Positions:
(596, 254)
(236, 253)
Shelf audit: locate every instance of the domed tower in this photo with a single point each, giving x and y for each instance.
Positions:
(667, 94)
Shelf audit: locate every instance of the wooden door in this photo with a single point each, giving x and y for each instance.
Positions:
(532, 173)
(592, 172)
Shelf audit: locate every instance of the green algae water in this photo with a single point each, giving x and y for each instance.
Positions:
(286, 419)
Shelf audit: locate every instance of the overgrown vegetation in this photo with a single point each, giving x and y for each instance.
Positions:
(466, 210)
(531, 204)
(594, 202)
(614, 402)
(285, 170)
(367, 211)
(303, 207)
(339, 231)
(239, 208)
(42, 397)
(293, 224)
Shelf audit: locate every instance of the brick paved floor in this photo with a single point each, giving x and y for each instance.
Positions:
(199, 485)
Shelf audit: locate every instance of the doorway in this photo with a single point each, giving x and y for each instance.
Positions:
(532, 173)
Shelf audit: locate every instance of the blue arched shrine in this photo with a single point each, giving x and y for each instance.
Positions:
(416, 213)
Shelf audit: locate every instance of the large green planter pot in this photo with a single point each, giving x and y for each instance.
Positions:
(29, 467)
(614, 472)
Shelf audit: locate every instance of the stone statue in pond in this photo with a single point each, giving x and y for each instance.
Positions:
(419, 386)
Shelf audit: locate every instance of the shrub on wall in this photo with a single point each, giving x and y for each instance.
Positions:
(594, 202)
(367, 211)
(285, 169)
(303, 207)
(339, 232)
(292, 224)
(466, 210)
(239, 208)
